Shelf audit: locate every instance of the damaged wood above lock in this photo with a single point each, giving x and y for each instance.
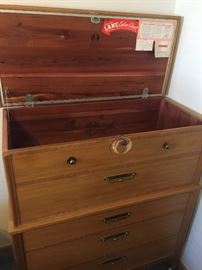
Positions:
(58, 57)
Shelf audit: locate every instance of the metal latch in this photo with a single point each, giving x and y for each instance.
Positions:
(145, 93)
(29, 102)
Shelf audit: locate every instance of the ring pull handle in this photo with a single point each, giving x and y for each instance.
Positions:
(113, 261)
(117, 218)
(166, 146)
(120, 177)
(71, 161)
(121, 146)
(115, 237)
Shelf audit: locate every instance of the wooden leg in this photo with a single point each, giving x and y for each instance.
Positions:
(19, 252)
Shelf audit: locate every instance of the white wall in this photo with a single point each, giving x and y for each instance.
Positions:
(186, 87)
(192, 256)
(149, 6)
(186, 79)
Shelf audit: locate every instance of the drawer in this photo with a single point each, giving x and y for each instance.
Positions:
(130, 259)
(102, 187)
(73, 252)
(124, 259)
(51, 161)
(108, 220)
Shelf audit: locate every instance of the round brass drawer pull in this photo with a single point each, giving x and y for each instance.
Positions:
(166, 146)
(71, 160)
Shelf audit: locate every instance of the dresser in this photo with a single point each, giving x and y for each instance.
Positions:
(103, 168)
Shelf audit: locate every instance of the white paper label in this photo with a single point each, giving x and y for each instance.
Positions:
(156, 30)
(162, 48)
(144, 45)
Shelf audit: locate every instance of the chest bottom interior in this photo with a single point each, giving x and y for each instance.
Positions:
(52, 124)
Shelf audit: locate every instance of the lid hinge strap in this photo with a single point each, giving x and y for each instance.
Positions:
(29, 102)
(145, 93)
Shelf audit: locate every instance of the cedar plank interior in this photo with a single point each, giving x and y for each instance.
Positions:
(67, 57)
(62, 123)
(59, 86)
(56, 58)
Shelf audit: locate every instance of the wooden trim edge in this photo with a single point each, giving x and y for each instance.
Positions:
(19, 254)
(30, 8)
(10, 179)
(184, 108)
(187, 221)
(60, 218)
(172, 58)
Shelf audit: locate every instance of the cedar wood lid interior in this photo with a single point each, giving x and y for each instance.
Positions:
(58, 57)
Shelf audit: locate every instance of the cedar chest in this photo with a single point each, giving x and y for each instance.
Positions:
(102, 166)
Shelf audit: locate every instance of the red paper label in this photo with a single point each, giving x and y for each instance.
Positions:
(113, 25)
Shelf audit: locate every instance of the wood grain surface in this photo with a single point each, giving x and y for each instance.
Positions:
(56, 257)
(64, 57)
(78, 228)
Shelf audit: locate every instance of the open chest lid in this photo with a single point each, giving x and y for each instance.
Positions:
(61, 56)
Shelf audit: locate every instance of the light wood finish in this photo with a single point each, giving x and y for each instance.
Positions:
(51, 161)
(11, 188)
(189, 213)
(171, 61)
(163, 261)
(133, 257)
(102, 222)
(104, 243)
(184, 108)
(104, 208)
(77, 192)
(19, 254)
(5, 131)
(33, 9)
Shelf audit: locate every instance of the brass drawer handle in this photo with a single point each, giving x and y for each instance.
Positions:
(117, 218)
(120, 177)
(115, 237)
(113, 261)
(166, 146)
(71, 160)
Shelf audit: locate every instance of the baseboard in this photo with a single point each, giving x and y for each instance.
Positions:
(182, 266)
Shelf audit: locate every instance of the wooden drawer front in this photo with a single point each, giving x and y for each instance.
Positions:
(136, 256)
(89, 248)
(73, 193)
(51, 161)
(103, 222)
(132, 258)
